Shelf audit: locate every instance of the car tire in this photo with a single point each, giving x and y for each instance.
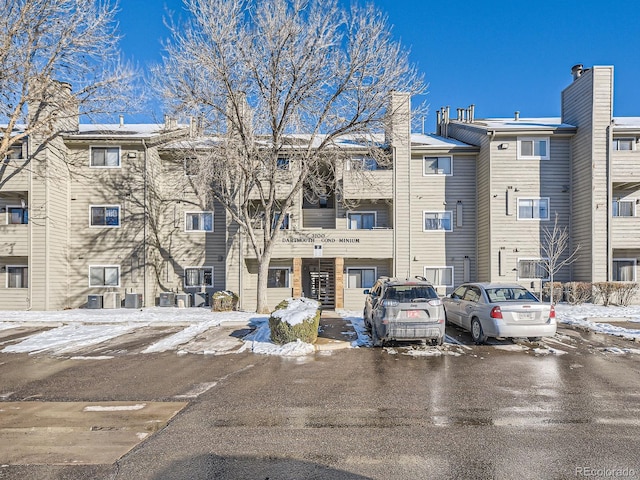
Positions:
(437, 341)
(367, 323)
(535, 339)
(375, 340)
(476, 331)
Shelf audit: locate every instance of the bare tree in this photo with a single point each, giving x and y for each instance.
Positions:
(53, 46)
(555, 242)
(282, 82)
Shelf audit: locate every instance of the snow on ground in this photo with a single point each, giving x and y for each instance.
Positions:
(69, 330)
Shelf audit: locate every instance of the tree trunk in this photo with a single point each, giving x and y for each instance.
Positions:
(262, 305)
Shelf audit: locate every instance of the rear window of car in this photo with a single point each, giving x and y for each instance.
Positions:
(410, 293)
(510, 295)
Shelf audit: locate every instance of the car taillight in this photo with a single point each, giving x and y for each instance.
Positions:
(435, 303)
(552, 312)
(496, 312)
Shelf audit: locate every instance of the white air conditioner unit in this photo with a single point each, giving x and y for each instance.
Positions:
(111, 300)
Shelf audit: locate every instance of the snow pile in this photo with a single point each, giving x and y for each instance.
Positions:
(297, 311)
(584, 315)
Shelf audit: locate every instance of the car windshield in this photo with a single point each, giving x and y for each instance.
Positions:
(411, 293)
(510, 294)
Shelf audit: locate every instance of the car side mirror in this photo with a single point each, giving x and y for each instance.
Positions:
(367, 291)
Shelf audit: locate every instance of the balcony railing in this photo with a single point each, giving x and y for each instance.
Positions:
(368, 185)
(625, 232)
(14, 240)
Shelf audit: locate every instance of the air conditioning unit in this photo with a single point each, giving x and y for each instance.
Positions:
(111, 300)
(133, 300)
(167, 299)
(94, 301)
(183, 300)
(200, 299)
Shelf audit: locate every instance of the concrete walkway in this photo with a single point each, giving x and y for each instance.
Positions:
(335, 332)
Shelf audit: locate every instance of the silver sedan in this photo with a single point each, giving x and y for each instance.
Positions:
(499, 310)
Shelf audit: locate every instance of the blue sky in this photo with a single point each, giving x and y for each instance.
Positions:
(501, 55)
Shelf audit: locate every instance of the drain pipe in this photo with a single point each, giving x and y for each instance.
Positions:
(144, 228)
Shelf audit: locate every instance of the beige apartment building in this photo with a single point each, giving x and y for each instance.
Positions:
(108, 215)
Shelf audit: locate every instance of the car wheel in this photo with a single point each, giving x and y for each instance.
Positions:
(367, 323)
(437, 341)
(375, 340)
(476, 332)
(535, 339)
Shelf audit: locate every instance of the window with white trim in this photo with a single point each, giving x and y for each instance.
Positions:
(439, 276)
(198, 221)
(624, 270)
(532, 269)
(105, 157)
(623, 207)
(17, 276)
(361, 277)
(198, 277)
(17, 215)
(14, 152)
(105, 215)
(362, 162)
(104, 275)
(278, 277)
(624, 144)
(283, 163)
(361, 220)
(438, 221)
(285, 222)
(533, 209)
(531, 148)
(438, 166)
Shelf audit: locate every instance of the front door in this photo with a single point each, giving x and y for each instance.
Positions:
(321, 286)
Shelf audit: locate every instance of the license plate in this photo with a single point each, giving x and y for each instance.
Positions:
(525, 316)
(413, 314)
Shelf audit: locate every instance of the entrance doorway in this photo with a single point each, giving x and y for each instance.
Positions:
(319, 281)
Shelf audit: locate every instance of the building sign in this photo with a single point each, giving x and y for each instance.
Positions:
(317, 250)
(314, 237)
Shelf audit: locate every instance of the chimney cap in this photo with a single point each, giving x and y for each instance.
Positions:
(577, 70)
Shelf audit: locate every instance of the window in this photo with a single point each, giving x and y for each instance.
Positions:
(278, 277)
(108, 157)
(533, 209)
(623, 208)
(361, 220)
(198, 277)
(105, 216)
(199, 221)
(282, 163)
(362, 162)
(361, 277)
(437, 221)
(17, 215)
(104, 276)
(191, 166)
(438, 166)
(625, 144)
(285, 222)
(532, 269)
(17, 276)
(14, 152)
(624, 270)
(439, 276)
(533, 148)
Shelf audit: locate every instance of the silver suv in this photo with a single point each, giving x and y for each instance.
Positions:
(404, 310)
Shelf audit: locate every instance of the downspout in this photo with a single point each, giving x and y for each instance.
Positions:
(30, 220)
(609, 202)
(492, 135)
(395, 212)
(144, 228)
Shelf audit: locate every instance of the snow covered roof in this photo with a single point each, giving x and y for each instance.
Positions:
(631, 123)
(431, 140)
(132, 130)
(543, 123)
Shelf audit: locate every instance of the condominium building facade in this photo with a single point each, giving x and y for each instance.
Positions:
(110, 210)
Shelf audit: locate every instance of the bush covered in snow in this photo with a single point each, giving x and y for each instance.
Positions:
(295, 319)
(224, 301)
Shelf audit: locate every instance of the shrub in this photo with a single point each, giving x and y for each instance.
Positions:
(557, 291)
(625, 292)
(604, 292)
(224, 301)
(293, 319)
(577, 293)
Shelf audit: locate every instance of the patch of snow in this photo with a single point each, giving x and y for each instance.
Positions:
(114, 408)
(548, 351)
(298, 310)
(180, 338)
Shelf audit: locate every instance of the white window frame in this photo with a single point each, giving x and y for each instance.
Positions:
(103, 147)
(620, 200)
(199, 212)
(375, 219)
(535, 219)
(521, 156)
(288, 276)
(616, 144)
(375, 275)
(7, 267)
(634, 261)
(8, 214)
(91, 207)
(441, 267)
(105, 266)
(198, 268)
(530, 259)
(426, 173)
(448, 212)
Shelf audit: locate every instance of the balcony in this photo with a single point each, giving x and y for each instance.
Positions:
(625, 232)
(375, 184)
(310, 243)
(625, 167)
(14, 240)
